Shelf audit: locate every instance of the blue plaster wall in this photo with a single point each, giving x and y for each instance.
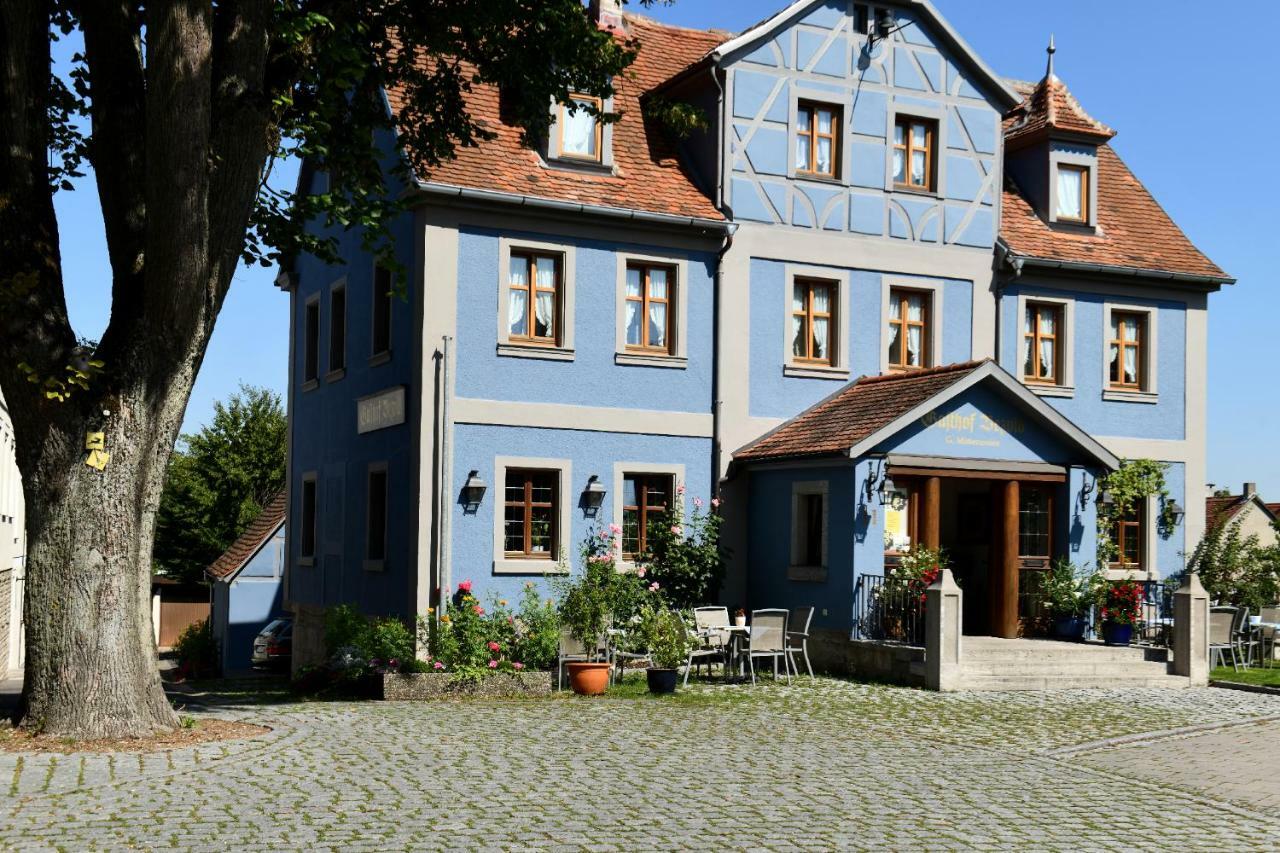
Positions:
(774, 395)
(817, 57)
(324, 439)
(476, 446)
(244, 606)
(1165, 419)
(592, 378)
(770, 544)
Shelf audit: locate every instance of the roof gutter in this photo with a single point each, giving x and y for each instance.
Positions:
(715, 226)
(1018, 262)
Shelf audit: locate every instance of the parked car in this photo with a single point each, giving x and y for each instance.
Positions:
(274, 644)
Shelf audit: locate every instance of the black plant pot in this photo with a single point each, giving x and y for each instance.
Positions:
(1070, 628)
(661, 680)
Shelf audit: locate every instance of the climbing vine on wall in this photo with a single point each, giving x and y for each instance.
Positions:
(1129, 486)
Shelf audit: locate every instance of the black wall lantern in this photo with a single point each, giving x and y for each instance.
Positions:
(887, 488)
(473, 490)
(593, 494)
(1176, 512)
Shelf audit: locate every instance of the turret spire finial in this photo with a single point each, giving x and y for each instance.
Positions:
(1051, 50)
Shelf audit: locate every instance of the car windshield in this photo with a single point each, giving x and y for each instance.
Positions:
(273, 626)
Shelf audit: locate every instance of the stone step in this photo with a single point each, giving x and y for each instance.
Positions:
(1058, 652)
(1070, 682)
(1075, 667)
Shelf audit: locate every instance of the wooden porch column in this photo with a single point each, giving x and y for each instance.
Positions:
(1004, 611)
(932, 516)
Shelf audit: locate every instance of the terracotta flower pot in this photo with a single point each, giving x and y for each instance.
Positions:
(589, 679)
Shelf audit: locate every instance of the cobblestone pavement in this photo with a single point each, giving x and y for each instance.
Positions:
(827, 765)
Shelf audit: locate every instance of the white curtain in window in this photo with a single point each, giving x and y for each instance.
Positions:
(657, 325)
(824, 145)
(803, 140)
(1047, 355)
(657, 283)
(1130, 353)
(578, 132)
(797, 336)
(633, 307)
(545, 308)
(1069, 193)
(895, 313)
(821, 336)
(821, 300)
(915, 336)
(518, 305)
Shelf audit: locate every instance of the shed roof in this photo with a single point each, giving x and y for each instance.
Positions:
(249, 542)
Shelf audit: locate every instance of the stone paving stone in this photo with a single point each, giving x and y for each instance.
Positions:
(831, 764)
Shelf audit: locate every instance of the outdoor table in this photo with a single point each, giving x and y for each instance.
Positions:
(1256, 624)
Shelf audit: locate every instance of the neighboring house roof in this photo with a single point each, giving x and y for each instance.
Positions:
(259, 531)
(648, 173)
(855, 419)
(1274, 509)
(1134, 234)
(1223, 509)
(1051, 107)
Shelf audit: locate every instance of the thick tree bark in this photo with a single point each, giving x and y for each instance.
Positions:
(177, 164)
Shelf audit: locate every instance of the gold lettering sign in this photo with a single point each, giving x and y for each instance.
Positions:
(975, 429)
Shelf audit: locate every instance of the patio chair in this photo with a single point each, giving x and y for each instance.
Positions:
(798, 637)
(1269, 618)
(619, 656)
(1221, 622)
(1243, 635)
(768, 640)
(709, 646)
(571, 651)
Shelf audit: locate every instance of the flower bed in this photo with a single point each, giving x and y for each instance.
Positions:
(428, 686)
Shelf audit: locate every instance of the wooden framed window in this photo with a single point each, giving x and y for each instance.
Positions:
(1035, 522)
(1041, 333)
(909, 332)
(307, 534)
(645, 498)
(382, 295)
(375, 550)
(1073, 193)
(580, 136)
(1127, 535)
(311, 340)
(530, 529)
(533, 298)
(1128, 350)
(337, 330)
(650, 297)
(813, 321)
(817, 140)
(914, 153)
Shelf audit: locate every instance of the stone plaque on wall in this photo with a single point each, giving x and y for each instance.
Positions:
(381, 410)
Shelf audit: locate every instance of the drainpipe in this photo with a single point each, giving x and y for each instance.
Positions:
(726, 244)
(443, 474)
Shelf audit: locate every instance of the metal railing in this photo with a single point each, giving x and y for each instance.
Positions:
(888, 614)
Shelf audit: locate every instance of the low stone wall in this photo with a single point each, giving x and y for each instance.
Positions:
(427, 686)
(832, 651)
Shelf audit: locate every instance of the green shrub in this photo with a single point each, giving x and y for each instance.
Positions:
(197, 650)
(359, 643)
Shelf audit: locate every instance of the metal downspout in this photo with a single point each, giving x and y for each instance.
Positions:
(444, 469)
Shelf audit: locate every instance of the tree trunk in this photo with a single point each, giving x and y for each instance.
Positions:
(91, 656)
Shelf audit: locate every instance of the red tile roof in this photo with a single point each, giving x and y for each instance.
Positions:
(1050, 106)
(1218, 509)
(648, 174)
(255, 535)
(853, 413)
(1133, 230)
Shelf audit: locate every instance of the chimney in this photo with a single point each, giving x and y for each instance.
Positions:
(1250, 489)
(607, 13)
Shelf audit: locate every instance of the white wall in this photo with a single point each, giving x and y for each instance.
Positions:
(12, 547)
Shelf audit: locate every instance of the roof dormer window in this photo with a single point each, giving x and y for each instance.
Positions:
(1072, 194)
(579, 132)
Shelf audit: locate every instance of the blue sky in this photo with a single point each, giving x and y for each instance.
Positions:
(1182, 84)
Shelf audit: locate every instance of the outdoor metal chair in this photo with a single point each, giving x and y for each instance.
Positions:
(1221, 624)
(798, 637)
(768, 640)
(1242, 634)
(620, 656)
(709, 646)
(1270, 618)
(571, 651)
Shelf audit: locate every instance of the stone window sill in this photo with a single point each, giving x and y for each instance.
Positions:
(379, 358)
(1051, 390)
(527, 567)
(807, 574)
(798, 371)
(306, 561)
(639, 359)
(1113, 396)
(375, 565)
(311, 385)
(335, 375)
(533, 351)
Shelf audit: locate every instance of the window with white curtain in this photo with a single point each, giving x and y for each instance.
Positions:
(817, 139)
(533, 298)
(1128, 350)
(1042, 336)
(1073, 193)
(812, 320)
(914, 153)
(648, 308)
(908, 332)
(580, 131)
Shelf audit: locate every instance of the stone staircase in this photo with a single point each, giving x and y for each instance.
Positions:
(989, 663)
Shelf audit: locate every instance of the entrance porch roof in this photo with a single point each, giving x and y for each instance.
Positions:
(872, 409)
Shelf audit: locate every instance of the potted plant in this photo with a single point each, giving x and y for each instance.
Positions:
(589, 602)
(1119, 608)
(1065, 597)
(667, 639)
(740, 618)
